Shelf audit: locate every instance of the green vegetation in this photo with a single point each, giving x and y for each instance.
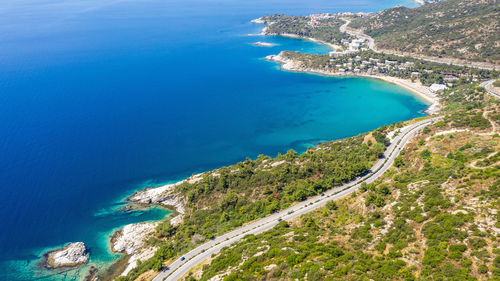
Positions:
(429, 218)
(464, 29)
(401, 67)
(326, 30)
(230, 196)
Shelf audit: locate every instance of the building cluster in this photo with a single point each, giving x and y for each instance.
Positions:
(374, 66)
(315, 19)
(352, 47)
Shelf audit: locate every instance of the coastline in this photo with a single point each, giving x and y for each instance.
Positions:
(414, 87)
(163, 195)
(330, 45)
(264, 32)
(129, 239)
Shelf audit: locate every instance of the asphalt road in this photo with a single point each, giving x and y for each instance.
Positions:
(371, 45)
(488, 85)
(179, 268)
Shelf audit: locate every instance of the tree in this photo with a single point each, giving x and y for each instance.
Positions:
(398, 162)
(331, 205)
(426, 154)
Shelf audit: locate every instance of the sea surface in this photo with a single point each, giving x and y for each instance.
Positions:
(102, 98)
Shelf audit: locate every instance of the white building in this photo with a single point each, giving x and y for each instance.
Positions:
(437, 88)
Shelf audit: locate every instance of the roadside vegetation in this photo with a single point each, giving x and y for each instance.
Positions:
(464, 29)
(433, 216)
(228, 197)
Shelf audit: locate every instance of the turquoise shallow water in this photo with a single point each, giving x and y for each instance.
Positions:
(101, 98)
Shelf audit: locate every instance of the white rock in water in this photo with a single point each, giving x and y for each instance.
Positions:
(264, 44)
(73, 254)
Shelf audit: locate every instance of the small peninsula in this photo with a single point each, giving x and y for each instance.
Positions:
(71, 255)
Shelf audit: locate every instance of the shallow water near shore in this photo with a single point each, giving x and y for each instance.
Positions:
(98, 99)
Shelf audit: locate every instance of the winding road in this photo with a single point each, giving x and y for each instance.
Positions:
(493, 91)
(178, 268)
(372, 46)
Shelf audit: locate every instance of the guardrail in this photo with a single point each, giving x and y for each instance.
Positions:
(353, 185)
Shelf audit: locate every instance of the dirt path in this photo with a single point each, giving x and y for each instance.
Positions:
(494, 130)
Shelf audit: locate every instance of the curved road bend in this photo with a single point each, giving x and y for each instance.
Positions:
(488, 85)
(371, 45)
(179, 268)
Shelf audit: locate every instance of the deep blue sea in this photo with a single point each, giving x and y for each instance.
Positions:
(101, 98)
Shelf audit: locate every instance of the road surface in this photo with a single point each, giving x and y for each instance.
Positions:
(493, 91)
(179, 268)
(371, 45)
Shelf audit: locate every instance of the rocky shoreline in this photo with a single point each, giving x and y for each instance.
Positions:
(130, 239)
(264, 32)
(72, 255)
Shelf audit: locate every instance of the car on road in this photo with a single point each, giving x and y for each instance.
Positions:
(183, 258)
(280, 219)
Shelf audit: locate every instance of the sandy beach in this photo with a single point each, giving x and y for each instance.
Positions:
(415, 87)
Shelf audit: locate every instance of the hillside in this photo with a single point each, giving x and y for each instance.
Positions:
(321, 27)
(218, 201)
(463, 29)
(433, 216)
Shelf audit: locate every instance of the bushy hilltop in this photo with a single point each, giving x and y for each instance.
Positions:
(324, 27)
(433, 216)
(464, 29)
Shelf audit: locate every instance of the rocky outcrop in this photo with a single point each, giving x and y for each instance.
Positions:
(71, 255)
(263, 44)
(130, 240)
(299, 66)
(164, 195)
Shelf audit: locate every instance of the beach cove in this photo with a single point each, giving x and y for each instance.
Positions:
(77, 156)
